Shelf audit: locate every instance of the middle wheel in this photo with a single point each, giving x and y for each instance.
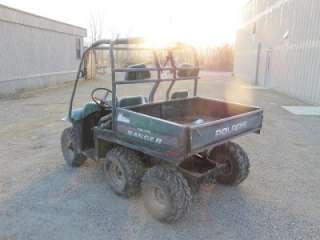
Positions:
(166, 194)
(124, 170)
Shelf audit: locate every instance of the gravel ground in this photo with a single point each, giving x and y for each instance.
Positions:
(42, 198)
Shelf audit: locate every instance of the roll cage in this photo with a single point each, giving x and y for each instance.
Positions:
(117, 45)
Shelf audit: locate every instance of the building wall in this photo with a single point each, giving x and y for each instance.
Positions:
(35, 51)
(289, 36)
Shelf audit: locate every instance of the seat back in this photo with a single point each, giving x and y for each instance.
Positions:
(180, 94)
(132, 101)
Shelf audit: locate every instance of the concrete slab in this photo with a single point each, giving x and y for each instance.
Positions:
(303, 110)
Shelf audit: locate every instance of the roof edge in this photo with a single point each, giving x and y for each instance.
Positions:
(44, 21)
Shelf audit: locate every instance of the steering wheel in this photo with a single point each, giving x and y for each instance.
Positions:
(101, 101)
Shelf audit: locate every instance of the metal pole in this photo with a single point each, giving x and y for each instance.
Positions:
(195, 86)
(114, 88)
(257, 65)
(156, 85)
(173, 64)
(76, 83)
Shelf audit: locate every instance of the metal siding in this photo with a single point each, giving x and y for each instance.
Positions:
(295, 62)
(32, 57)
(249, 63)
(315, 95)
(8, 14)
(309, 49)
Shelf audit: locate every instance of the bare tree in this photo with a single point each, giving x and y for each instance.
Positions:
(95, 33)
(96, 27)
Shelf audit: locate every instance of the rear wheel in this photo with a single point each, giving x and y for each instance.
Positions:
(166, 194)
(72, 158)
(236, 162)
(124, 170)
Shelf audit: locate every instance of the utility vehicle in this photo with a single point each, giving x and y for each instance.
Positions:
(165, 148)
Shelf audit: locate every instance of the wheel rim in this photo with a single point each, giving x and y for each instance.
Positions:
(156, 201)
(160, 197)
(228, 168)
(116, 175)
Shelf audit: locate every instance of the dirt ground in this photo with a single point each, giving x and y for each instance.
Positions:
(42, 198)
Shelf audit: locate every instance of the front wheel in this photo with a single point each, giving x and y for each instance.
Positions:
(236, 162)
(166, 194)
(72, 158)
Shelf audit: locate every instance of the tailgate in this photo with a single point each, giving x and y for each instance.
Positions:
(222, 130)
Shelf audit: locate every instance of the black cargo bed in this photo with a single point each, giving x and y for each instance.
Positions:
(193, 111)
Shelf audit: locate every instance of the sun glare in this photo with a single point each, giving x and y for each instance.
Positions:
(158, 41)
(208, 23)
(201, 22)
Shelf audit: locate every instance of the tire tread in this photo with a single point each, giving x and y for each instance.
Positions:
(239, 157)
(177, 185)
(133, 167)
(78, 158)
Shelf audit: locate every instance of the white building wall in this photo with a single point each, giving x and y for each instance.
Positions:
(288, 31)
(35, 51)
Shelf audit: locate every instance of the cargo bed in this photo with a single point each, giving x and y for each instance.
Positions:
(177, 129)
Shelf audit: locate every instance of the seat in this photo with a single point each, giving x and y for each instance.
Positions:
(180, 94)
(142, 74)
(106, 121)
(132, 101)
(81, 113)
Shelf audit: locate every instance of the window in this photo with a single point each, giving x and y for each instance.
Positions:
(78, 48)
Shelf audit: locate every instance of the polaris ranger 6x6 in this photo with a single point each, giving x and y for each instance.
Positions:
(165, 149)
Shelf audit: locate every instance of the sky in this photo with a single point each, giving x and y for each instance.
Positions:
(199, 22)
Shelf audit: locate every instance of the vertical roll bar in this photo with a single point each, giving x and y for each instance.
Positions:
(156, 85)
(114, 88)
(173, 64)
(195, 85)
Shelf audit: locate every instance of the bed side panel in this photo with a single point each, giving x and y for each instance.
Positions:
(223, 130)
(164, 139)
